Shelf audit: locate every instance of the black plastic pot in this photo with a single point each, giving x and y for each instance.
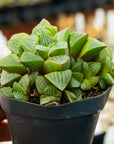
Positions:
(71, 123)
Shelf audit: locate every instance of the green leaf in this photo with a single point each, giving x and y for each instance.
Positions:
(91, 49)
(57, 63)
(91, 68)
(59, 79)
(62, 35)
(78, 66)
(102, 84)
(41, 83)
(70, 96)
(112, 74)
(29, 43)
(44, 26)
(76, 80)
(24, 82)
(76, 43)
(112, 67)
(20, 96)
(51, 91)
(32, 61)
(11, 63)
(94, 67)
(104, 53)
(44, 99)
(17, 87)
(46, 39)
(14, 43)
(32, 78)
(42, 51)
(72, 62)
(8, 78)
(77, 92)
(7, 91)
(61, 48)
(106, 65)
(90, 82)
(108, 79)
(51, 29)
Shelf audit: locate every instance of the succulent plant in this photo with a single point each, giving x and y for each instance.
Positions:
(52, 68)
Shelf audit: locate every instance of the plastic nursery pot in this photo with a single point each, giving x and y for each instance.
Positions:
(71, 123)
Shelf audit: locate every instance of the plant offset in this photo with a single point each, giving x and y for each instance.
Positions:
(52, 68)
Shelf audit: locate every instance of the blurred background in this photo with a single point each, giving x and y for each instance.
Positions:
(93, 17)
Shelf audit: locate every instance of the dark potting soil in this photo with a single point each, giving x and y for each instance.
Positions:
(35, 96)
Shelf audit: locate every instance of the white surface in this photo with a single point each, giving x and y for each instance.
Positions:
(99, 19)
(98, 129)
(79, 22)
(4, 51)
(6, 143)
(109, 137)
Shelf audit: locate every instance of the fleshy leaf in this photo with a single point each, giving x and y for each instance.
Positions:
(94, 67)
(61, 48)
(112, 74)
(8, 78)
(46, 39)
(112, 67)
(41, 83)
(91, 49)
(104, 53)
(108, 78)
(24, 82)
(42, 51)
(76, 80)
(106, 65)
(102, 84)
(77, 92)
(20, 96)
(32, 78)
(62, 35)
(76, 43)
(29, 43)
(51, 91)
(70, 96)
(44, 99)
(78, 66)
(86, 71)
(72, 62)
(17, 87)
(12, 64)
(32, 61)
(44, 26)
(57, 63)
(59, 79)
(14, 44)
(7, 91)
(89, 82)
(51, 29)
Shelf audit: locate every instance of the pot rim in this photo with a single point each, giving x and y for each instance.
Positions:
(84, 107)
(61, 105)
